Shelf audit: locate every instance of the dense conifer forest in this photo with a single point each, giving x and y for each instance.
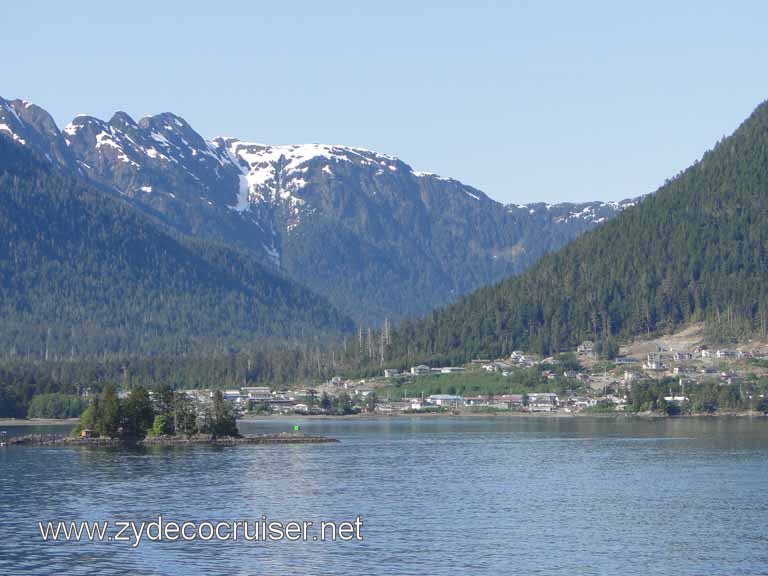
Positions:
(696, 250)
(83, 274)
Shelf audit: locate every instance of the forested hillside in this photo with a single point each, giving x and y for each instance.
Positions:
(696, 250)
(82, 273)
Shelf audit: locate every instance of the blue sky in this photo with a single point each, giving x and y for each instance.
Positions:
(527, 101)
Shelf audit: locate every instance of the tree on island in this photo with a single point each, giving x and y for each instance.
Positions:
(183, 415)
(673, 409)
(138, 413)
(106, 413)
(164, 398)
(223, 421)
(161, 426)
(169, 414)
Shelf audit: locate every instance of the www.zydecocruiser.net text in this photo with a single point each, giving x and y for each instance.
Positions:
(160, 530)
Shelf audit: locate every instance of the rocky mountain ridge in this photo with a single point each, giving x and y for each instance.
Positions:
(364, 229)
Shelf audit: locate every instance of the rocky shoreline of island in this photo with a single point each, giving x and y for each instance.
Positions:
(196, 440)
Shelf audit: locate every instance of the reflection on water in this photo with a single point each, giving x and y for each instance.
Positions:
(437, 496)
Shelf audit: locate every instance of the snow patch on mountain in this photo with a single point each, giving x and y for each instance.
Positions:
(70, 129)
(275, 173)
(273, 254)
(563, 213)
(242, 195)
(107, 139)
(16, 137)
(430, 175)
(594, 212)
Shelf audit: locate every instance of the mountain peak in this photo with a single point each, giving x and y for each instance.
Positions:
(32, 115)
(29, 125)
(166, 121)
(122, 119)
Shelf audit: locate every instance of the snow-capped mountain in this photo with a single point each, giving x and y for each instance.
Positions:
(568, 212)
(29, 125)
(363, 228)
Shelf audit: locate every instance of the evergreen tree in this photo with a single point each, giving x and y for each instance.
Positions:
(138, 413)
(222, 420)
(107, 413)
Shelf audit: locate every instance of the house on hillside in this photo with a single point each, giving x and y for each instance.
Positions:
(392, 406)
(586, 349)
(683, 369)
(542, 402)
(654, 366)
(654, 363)
(509, 401)
(451, 370)
(581, 402)
(498, 366)
(420, 370)
(726, 353)
(258, 393)
(446, 400)
(631, 376)
(234, 396)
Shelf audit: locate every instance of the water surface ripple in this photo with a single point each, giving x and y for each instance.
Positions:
(438, 496)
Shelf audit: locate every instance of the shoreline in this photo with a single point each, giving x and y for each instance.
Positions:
(38, 421)
(197, 440)
(510, 414)
(21, 422)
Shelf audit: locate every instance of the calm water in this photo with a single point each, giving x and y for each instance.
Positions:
(437, 496)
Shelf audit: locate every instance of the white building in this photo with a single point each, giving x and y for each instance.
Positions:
(451, 370)
(257, 392)
(725, 353)
(542, 402)
(446, 400)
(233, 396)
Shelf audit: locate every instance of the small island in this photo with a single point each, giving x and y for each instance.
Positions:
(161, 418)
